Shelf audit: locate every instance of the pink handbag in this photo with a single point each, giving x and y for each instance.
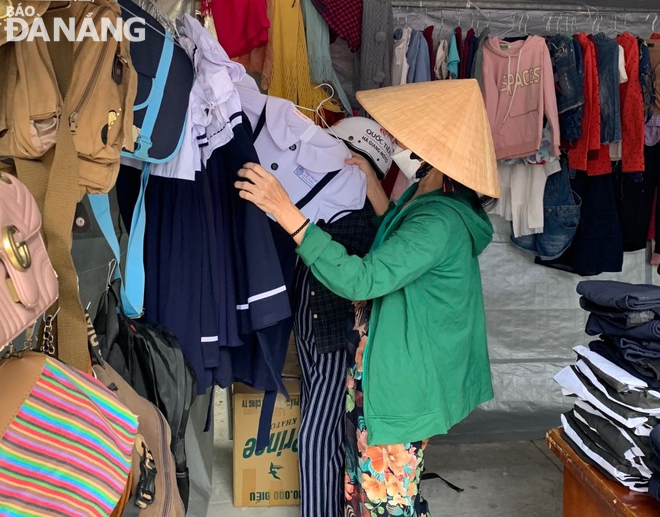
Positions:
(28, 282)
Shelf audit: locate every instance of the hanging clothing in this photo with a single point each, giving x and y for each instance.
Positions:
(652, 131)
(478, 64)
(519, 90)
(241, 26)
(377, 45)
(634, 197)
(458, 32)
(344, 17)
(473, 43)
(300, 154)
(418, 59)
(290, 78)
(607, 55)
(646, 78)
(260, 59)
(616, 148)
(598, 245)
(654, 54)
(202, 315)
(384, 277)
(523, 186)
(389, 487)
(318, 52)
(465, 55)
(632, 108)
(589, 140)
(561, 215)
(322, 413)
(453, 59)
(400, 65)
(428, 37)
(440, 69)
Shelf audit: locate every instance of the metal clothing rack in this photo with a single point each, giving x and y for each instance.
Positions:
(502, 5)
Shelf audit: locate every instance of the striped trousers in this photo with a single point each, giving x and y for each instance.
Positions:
(322, 406)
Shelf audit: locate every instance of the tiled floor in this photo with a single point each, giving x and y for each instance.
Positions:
(499, 480)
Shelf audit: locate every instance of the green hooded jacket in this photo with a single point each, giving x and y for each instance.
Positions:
(426, 361)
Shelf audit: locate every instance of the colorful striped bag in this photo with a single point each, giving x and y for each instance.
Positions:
(65, 441)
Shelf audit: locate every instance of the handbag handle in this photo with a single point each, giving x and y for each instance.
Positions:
(57, 198)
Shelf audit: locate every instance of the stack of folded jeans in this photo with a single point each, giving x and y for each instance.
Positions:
(617, 384)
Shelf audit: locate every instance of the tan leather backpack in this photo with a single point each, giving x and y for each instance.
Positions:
(100, 96)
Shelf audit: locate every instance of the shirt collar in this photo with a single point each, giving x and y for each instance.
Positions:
(290, 129)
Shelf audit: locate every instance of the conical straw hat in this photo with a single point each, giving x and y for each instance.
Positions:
(445, 123)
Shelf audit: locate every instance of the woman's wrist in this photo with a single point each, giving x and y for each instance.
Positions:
(291, 220)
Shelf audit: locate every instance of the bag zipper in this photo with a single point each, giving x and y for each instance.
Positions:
(56, 87)
(164, 451)
(91, 84)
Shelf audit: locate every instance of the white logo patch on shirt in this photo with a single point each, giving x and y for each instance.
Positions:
(305, 176)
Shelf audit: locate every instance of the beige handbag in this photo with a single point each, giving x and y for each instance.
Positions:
(28, 283)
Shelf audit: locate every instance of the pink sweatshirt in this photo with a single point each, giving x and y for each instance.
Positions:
(519, 89)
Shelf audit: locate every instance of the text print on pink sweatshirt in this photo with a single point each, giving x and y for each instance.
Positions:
(519, 89)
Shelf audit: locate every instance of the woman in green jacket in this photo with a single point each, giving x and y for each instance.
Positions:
(421, 361)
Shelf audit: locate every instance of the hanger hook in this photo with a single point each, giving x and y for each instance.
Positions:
(655, 19)
(547, 25)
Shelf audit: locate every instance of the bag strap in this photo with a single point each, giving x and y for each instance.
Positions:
(154, 101)
(58, 171)
(132, 289)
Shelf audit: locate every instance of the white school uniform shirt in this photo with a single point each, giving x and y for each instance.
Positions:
(299, 153)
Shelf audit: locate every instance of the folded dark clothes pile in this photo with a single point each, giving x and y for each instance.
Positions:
(620, 295)
(615, 422)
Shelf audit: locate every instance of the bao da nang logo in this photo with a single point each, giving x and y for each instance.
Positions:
(17, 28)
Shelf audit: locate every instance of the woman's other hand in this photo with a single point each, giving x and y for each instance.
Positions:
(363, 164)
(375, 192)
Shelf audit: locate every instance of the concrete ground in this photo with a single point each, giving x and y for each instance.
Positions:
(499, 480)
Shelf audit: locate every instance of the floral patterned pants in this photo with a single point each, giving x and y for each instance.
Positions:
(380, 481)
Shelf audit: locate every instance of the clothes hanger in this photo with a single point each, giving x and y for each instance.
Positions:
(156, 29)
(614, 28)
(514, 17)
(655, 19)
(317, 112)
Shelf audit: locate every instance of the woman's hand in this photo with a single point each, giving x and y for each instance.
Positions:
(363, 164)
(375, 192)
(264, 190)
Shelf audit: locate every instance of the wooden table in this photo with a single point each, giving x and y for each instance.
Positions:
(587, 493)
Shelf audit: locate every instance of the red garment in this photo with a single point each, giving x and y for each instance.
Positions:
(428, 36)
(632, 108)
(655, 35)
(590, 139)
(344, 17)
(465, 55)
(600, 162)
(241, 25)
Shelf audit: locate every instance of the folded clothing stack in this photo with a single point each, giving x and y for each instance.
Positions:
(614, 422)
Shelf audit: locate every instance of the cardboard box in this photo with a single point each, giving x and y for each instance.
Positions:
(271, 478)
(292, 365)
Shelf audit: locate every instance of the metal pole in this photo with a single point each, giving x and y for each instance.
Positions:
(520, 6)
